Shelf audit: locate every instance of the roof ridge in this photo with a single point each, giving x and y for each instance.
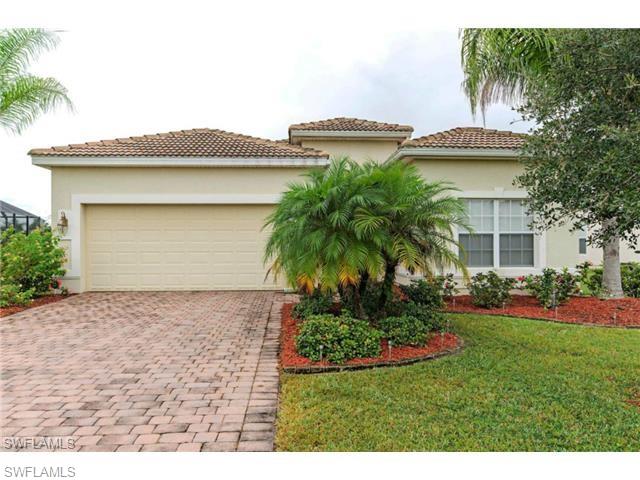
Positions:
(469, 137)
(330, 124)
(93, 148)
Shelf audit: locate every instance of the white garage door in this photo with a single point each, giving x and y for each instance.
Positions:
(175, 247)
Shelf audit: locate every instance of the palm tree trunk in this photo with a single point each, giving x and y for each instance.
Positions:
(611, 276)
(358, 309)
(387, 285)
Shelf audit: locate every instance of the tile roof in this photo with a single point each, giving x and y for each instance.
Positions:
(203, 142)
(343, 124)
(469, 137)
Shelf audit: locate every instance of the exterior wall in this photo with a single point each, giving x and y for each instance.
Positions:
(488, 178)
(358, 150)
(156, 184)
(627, 254)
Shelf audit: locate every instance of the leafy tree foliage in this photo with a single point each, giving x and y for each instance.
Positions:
(582, 161)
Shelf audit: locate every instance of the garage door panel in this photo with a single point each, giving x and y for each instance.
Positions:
(175, 247)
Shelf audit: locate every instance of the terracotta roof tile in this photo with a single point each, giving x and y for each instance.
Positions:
(343, 124)
(469, 137)
(203, 142)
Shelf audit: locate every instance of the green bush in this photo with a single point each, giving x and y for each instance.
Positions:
(551, 288)
(427, 292)
(590, 279)
(433, 320)
(631, 279)
(317, 303)
(405, 330)
(337, 339)
(488, 290)
(449, 286)
(30, 262)
(11, 295)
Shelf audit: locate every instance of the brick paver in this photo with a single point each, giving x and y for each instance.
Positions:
(142, 371)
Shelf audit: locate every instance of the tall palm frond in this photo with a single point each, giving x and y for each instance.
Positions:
(24, 97)
(499, 64)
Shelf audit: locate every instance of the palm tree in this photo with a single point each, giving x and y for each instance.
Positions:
(313, 242)
(349, 223)
(500, 64)
(414, 221)
(24, 97)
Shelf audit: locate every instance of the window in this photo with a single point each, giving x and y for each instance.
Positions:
(478, 246)
(507, 242)
(582, 241)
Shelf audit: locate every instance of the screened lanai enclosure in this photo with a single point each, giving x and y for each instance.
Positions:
(19, 219)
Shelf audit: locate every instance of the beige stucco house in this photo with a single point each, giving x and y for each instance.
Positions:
(184, 210)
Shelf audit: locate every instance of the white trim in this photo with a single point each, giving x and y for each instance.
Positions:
(501, 153)
(69, 161)
(74, 235)
(496, 194)
(348, 134)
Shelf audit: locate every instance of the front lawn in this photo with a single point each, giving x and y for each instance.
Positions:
(518, 385)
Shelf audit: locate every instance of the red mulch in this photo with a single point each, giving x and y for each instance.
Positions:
(289, 357)
(37, 302)
(623, 312)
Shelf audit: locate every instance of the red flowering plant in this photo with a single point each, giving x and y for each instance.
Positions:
(551, 288)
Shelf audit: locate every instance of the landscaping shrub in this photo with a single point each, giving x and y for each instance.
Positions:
(488, 290)
(426, 292)
(404, 330)
(10, 294)
(317, 303)
(590, 279)
(449, 286)
(552, 287)
(29, 263)
(337, 339)
(433, 320)
(631, 279)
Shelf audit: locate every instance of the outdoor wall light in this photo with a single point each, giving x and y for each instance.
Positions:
(63, 223)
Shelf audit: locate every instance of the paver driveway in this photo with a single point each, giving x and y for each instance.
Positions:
(166, 371)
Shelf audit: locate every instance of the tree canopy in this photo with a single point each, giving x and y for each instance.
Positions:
(582, 160)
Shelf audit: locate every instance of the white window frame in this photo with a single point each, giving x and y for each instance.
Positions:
(539, 239)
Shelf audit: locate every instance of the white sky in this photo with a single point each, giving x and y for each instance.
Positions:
(250, 68)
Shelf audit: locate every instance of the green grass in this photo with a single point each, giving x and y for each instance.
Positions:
(518, 385)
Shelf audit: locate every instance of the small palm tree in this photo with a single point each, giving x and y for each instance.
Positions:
(414, 220)
(349, 223)
(499, 64)
(24, 97)
(313, 241)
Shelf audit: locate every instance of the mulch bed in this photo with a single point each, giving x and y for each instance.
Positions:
(37, 302)
(292, 362)
(623, 312)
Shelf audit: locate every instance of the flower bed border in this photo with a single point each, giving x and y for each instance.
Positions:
(571, 317)
(38, 302)
(383, 362)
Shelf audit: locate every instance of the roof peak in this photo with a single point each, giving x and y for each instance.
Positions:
(350, 124)
(469, 137)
